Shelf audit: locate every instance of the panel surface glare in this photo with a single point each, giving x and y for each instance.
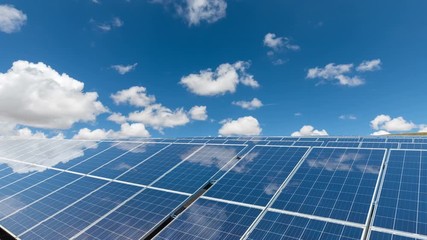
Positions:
(258, 175)
(334, 182)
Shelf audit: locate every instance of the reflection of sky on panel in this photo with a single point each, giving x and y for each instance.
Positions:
(207, 219)
(281, 226)
(258, 175)
(334, 182)
(199, 168)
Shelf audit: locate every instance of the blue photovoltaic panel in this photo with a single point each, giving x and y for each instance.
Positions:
(413, 146)
(343, 144)
(217, 141)
(327, 139)
(280, 143)
(235, 142)
(258, 175)
(199, 168)
(308, 139)
(403, 201)
(274, 138)
(206, 219)
(41, 205)
(374, 139)
(104, 157)
(136, 217)
(156, 166)
(420, 140)
(379, 145)
(387, 236)
(76, 217)
(334, 182)
(257, 142)
(290, 139)
(348, 139)
(128, 161)
(401, 140)
(282, 226)
(308, 144)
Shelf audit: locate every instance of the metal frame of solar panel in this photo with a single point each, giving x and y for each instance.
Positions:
(210, 188)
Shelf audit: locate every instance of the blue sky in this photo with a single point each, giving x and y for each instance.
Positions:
(335, 67)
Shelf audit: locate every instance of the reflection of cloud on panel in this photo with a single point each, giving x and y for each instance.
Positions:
(189, 152)
(130, 147)
(343, 162)
(241, 167)
(122, 166)
(271, 188)
(221, 157)
(368, 169)
(49, 155)
(10, 205)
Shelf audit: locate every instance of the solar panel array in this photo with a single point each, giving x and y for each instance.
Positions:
(215, 188)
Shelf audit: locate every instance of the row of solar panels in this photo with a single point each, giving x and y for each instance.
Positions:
(60, 189)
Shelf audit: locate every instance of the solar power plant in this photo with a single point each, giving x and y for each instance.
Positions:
(214, 188)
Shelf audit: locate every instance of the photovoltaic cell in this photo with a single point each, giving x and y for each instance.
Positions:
(379, 145)
(206, 219)
(403, 201)
(420, 140)
(308, 144)
(413, 146)
(343, 144)
(136, 217)
(281, 143)
(400, 140)
(378, 139)
(375, 235)
(282, 226)
(334, 182)
(156, 166)
(258, 175)
(199, 168)
(348, 139)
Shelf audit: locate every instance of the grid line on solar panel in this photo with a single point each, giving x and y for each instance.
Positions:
(282, 226)
(420, 146)
(379, 232)
(334, 182)
(403, 208)
(379, 145)
(343, 144)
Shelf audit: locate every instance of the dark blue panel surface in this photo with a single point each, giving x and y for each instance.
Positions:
(281, 226)
(403, 200)
(413, 146)
(47, 199)
(334, 182)
(401, 140)
(420, 140)
(387, 236)
(379, 145)
(258, 175)
(373, 139)
(104, 157)
(136, 217)
(126, 162)
(80, 215)
(281, 143)
(343, 144)
(307, 143)
(206, 219)
(348, 139)
(198, 169)
(159, 164)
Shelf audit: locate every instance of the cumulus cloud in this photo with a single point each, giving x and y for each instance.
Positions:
(308, 130)
(276, 43)
(159, 117)
(387, 123)
(368, 66)
(339, 73)
(117, 118)
(198, 113)
(44, 98)
(242, 126)
(195, 12)
(110, 25)
(126, 131)
(380, 133)
(123, 69)
(11, 19)
(134, 96)
(347, 117)
(423, 128)
(250, 105)
(221, 81)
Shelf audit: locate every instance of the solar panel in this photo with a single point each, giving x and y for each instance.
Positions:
(207, 219)
(282, 226)
(400, 140)
(343, 144)
(379, 145)
(389, 236)
(258, 175)
(402, 203)
(307, 144)
(334, 182)
(281, 143)
(413, 146)
(376, 139)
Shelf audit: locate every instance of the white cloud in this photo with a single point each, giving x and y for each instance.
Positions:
(347, 117)
(308, 130)
(423, 128)
(329, 71)
(27, 133)
(159, 117)
(126, 131)
(198, 113)
(135, 96)
(380, 133)
(297, 114)
(224, 79)
(117, 118)
(123, 69)
(368, 66)
(251, 105)
(96, 1)
(117, 22)
(35, 95)
(11, 19)
(242, 126)
(385, 122)
(276, 43)
(108, 26)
